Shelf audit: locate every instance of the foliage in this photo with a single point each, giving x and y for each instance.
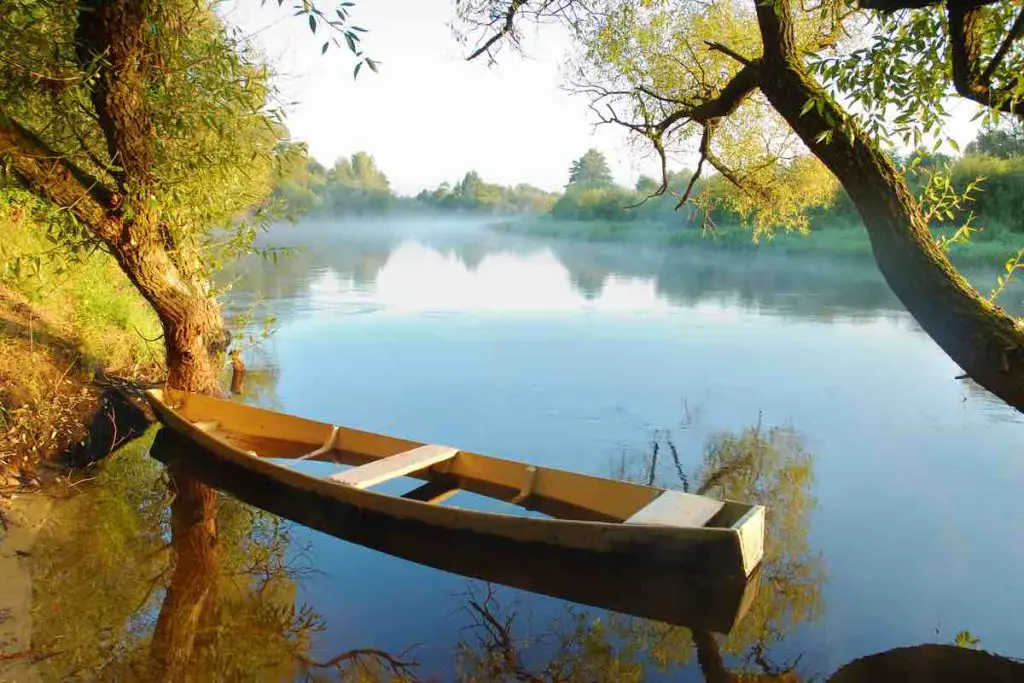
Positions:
(1004, 140)
(354, 185)
(472, 193)
(81, 288)
(966, 639)
(591, 169)
(209, 170)
(899, 78)
(593, 200)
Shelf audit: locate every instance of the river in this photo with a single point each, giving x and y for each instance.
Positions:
(893, 485)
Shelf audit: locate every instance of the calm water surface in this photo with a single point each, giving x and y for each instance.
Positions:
(894, 487)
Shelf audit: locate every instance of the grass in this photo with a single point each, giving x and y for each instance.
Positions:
(58, 325)
(92, 301)
(850, 240)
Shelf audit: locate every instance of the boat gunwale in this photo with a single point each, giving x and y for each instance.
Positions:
(472, 520)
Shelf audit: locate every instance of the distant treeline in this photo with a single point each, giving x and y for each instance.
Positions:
(355, 185)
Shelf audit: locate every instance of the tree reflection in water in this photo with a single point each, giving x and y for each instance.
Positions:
(770, 466)
(125, 591)
(154, 576)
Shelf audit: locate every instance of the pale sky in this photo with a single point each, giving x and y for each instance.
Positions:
(429, 116)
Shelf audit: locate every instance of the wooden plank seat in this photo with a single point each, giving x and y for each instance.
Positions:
(675, 508)
(394, 466)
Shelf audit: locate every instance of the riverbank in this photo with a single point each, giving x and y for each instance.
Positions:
(849, 241)
(67, 327)
(66, 334)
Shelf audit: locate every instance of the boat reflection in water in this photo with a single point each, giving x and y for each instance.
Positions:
(698, 601)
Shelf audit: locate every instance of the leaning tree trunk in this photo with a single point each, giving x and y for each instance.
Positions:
(979, 336)
(193, 328)
(112, 44)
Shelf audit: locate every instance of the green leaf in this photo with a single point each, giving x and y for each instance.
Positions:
(355, 74)
(372, 64)
(324, 48)
(312, 23)
(351, 42)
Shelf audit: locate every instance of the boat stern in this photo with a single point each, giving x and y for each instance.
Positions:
(750, 533)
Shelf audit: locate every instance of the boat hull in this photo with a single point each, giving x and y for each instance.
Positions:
(593, 542)
(630, 585)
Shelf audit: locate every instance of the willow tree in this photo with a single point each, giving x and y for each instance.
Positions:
(143, 130)
(781, 97)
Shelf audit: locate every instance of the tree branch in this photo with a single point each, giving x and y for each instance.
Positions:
(1015, 32)
(705, 145)
(727, 51)
(731, 96)
(964, 36)
(506, 28)
(48, 174)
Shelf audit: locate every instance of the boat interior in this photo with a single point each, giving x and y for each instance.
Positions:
(365, 460)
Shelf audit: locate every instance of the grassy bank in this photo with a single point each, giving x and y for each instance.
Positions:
(842, 241)
(60, 322)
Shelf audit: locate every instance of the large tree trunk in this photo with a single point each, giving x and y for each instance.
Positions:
(194, 333)
(979, 336)
(112, 41)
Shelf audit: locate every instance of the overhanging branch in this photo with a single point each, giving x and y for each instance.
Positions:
(507, 27)
(49, 174)
(965, 37)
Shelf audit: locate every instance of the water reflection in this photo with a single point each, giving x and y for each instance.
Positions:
(127, 589)
(482, 272)
(149, 574)
(767, 464)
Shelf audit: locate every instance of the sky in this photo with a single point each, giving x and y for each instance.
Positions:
(429, 116)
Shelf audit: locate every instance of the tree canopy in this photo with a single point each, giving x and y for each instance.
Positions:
(783, 100)
(592, 167)
(144, 130)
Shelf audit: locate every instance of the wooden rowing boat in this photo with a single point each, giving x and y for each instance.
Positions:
(590, 521)
(642, 589)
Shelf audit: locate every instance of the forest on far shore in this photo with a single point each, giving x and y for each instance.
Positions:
(355, 185)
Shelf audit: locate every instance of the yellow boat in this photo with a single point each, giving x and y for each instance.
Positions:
(592, 522)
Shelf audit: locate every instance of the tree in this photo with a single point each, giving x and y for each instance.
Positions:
(592, 167)
(758, 85)
(645, 184)
(143, 127)
(1003, 141)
